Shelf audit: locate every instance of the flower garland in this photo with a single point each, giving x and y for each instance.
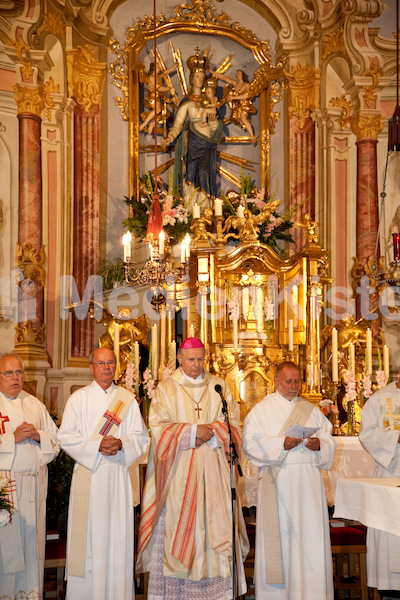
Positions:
(6, 507)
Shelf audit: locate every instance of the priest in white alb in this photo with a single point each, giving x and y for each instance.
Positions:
(28, 442)
(185, 534)
(103, 431)
(293, 551)
(380, 436)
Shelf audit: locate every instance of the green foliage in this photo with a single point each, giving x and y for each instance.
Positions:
(111, 271)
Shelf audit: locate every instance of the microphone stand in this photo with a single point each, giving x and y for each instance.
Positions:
(233, 460)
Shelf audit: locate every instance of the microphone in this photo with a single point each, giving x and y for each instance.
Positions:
(218, 389)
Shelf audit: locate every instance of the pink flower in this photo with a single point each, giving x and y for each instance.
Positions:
(351, 386)
(260, 204)
(148, 383)
(367, 386)
(233, 309)
(381, 379)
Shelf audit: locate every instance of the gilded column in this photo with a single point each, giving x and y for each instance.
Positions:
(85, 82)
(30, 257)
(304, 85)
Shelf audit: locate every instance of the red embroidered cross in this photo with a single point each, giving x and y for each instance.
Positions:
(112, 418)
(2, 421)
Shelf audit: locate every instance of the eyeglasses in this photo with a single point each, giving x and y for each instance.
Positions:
(101, 363)
(9, 374)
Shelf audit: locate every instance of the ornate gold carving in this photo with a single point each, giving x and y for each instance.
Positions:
(368, 269)
(347, 109)
(48, 89)
(30, 333)
(375, 71)
(23, 53)
(29, 98)
(310, 228)
(118, 69)
(85, 76)
(366, 126)
(333, 43)
(52, 24)
(31, 262)
(304, 85)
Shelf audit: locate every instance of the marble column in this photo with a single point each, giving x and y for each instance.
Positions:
(86, 77)
(30, 257)
(302, 173)
(366, 127)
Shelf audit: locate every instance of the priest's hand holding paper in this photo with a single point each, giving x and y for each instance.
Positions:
(313, 444)
(291, 443)
(109, 445)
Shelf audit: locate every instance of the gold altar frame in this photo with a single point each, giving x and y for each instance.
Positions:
(200, 18)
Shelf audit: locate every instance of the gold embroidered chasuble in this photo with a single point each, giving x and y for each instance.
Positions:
(192, 484)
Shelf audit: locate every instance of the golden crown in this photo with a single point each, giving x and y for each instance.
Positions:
(197, 62)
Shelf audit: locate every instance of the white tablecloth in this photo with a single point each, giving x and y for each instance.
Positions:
(373, 502)
(351, 460)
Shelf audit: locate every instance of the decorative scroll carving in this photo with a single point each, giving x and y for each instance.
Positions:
(366, 126)
(23, 53)
(333, 43)
(85, 76)
(31, 262)
(347, 110)
(375, 71)
(304, 85)
(52, 24)
(29, 333)
(50, 88)
(29, 98)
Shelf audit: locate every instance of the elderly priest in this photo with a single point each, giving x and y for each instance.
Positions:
(103, 430)
(185, 535)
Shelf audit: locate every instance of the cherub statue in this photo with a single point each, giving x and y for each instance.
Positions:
(155, 94)
(309, 227)
(199, 226)
(239, 94)
(248, 226)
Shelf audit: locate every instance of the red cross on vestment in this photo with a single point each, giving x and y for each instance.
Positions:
(112, 418)
(2, 421)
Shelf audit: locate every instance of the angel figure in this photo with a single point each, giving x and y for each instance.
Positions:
(156, 94)
(310, 227)
(248, 226)
(239, 94)
(199, 226)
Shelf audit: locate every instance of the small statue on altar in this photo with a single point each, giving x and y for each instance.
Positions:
(156, 95)
(199, 227)
(309, 227)
(248, 226)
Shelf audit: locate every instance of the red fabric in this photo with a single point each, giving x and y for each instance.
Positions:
(348, 536)
(191, 342)
(154, 224)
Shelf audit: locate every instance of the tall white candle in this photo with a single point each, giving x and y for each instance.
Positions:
(260, 309)
(218, 207)
(369, 352)
(191, 331)
(335, 368)
(196, 211)
(154, 351)
(235, 334)
(161, 242)
(183, 251)
(136, 363)
(126, 240)
(116, 348)
(172, 354)
(386, 363)
(187, 244)
(290, 335)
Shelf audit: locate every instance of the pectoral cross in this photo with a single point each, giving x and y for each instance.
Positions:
(2, 421)
(197, 409)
